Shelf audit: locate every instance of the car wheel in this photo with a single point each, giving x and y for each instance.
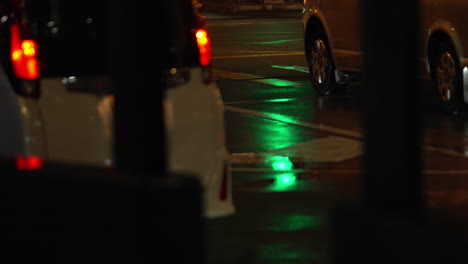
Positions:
(448, 78)
(321, 66)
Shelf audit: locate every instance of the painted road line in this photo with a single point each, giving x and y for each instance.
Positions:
(292, 68)
(447, 151)
(214, 23)
(290, 120)
(319, 171)
(245, 169)
(255, 78)
(281, 41)
(327, 149)
(234, 75)
(278, 82)
(260, 55)
(276, 100)
(253, 51)
(330, 129)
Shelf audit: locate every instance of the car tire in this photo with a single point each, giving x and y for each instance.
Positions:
(448, 78)
(321, 65)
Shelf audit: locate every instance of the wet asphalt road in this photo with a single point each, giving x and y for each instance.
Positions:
(296, 156)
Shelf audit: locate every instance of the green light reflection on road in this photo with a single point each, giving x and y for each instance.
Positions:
(277, 133)
(280, 163)
(285, 180)
(280, 100)
(296, 222)
(285, 252)
(278, 82)
(282, 118)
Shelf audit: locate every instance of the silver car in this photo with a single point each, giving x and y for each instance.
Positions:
(333, 46)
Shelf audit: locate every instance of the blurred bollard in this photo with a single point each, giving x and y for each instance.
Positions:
(70, 215)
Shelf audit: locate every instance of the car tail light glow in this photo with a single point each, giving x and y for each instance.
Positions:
(24, 163)
(204, 46)
(23, 55)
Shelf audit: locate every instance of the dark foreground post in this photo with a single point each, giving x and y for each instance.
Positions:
(393, 224)
(136, 69)
(385, 227)
(392, 100)
(167, 220)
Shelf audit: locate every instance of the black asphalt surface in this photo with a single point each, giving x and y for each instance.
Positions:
(325, 218)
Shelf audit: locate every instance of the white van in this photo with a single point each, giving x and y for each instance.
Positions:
(57, 99)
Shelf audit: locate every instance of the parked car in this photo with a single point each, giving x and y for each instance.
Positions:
(57, 99)
(333, 50)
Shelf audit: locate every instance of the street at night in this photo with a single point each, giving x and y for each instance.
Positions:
(249, 132)
(297, 156)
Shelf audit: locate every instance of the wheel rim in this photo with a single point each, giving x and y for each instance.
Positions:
(319, 62)
(446, 76)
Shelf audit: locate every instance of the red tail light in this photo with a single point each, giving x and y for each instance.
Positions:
(204, 46)
(23, 55)
(29, 163)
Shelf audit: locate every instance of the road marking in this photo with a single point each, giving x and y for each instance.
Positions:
(255, 78)
(277, 100)
(281, 41)
(217, 23)
(327, 149)
(244, 169)
(234, 75)
(320, 171)
(278, 82)
(447, 151)
(259, 55)
(255, 51)
(293, 68)
(330, 129)
(290, 120)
